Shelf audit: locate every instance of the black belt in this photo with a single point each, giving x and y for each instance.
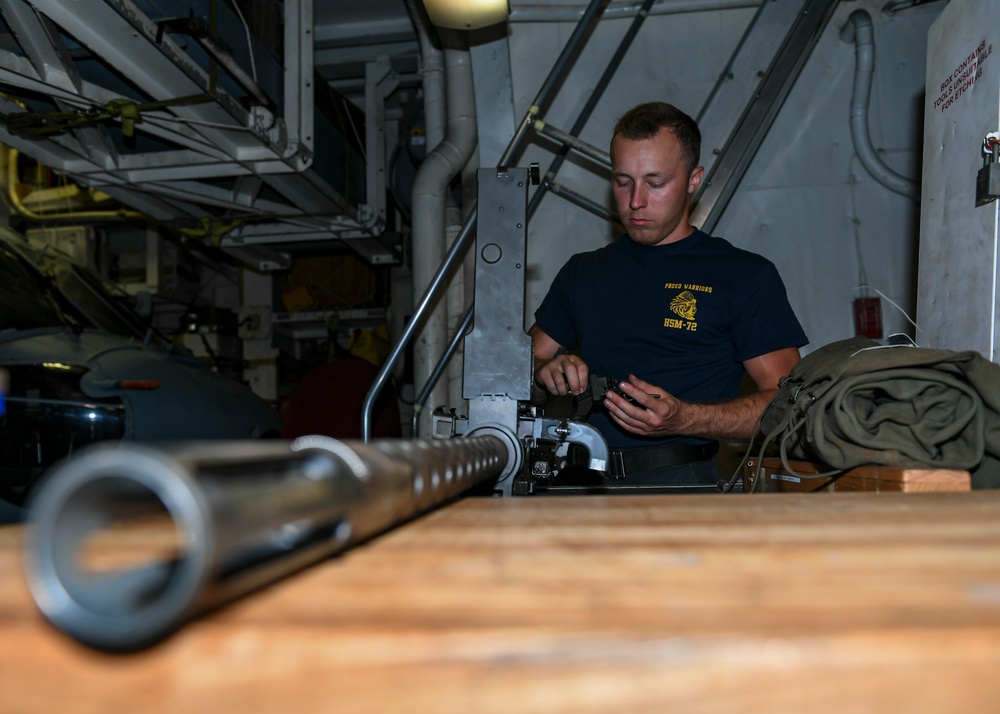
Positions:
(650, 458)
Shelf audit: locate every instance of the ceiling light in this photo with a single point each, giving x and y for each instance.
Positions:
(466, 14)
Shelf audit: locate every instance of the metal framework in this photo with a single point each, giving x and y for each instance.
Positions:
(147, 102)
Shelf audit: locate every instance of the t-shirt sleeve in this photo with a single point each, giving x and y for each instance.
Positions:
(555, 316)
(764, 320)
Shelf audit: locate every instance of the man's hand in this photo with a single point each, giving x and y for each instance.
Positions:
(563, 374)
(658, 415)
(666, 415)
(555, 370)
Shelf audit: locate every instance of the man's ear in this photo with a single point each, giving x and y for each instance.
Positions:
(694, 180)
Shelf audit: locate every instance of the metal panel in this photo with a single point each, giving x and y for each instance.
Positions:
(494, 90)
(957, 288)
(498, 352)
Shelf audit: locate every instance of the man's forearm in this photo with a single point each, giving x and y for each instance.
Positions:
(736, 419)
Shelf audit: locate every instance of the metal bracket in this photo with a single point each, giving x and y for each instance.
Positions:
(380, 82)
(573, 432)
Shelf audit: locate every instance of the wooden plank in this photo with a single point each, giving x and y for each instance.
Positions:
(863, 478)
(771, 603)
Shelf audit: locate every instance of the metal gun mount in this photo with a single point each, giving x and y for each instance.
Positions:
(536, 451)
(499, 360)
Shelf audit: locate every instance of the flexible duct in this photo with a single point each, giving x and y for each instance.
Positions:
(859, 30)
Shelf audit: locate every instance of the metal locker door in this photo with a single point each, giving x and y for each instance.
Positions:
(957, 279)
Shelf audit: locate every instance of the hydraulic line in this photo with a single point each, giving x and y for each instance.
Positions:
(859, 30)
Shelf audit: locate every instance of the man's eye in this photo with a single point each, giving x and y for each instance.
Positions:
(657, 185)
(622, 184)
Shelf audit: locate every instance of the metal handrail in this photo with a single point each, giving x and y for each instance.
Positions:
(588, 108)
(425, 393)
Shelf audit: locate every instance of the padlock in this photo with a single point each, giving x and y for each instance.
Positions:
(988, 178)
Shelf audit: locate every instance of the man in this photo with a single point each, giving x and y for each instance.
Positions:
(680, 313)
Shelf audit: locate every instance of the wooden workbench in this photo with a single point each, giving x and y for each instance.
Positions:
(776, 603)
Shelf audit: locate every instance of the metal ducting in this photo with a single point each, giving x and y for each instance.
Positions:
(176, 110)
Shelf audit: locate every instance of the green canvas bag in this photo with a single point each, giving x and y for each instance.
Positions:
(857, 402)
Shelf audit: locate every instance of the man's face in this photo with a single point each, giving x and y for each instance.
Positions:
(652, 186)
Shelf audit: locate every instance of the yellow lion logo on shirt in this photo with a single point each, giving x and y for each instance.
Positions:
(684, 305)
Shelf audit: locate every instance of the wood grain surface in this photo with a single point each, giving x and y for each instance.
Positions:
(844, 602)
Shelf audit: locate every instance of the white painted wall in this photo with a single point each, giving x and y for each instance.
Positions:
(806, 202)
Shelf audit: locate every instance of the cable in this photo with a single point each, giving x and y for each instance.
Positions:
(855, 219)
(756, 428)
(246, 28)
(908, 318)
(757, 483)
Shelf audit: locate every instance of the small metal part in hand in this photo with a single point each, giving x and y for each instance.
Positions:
(600, 386)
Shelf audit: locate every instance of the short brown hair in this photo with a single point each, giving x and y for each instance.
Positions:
(646, 120)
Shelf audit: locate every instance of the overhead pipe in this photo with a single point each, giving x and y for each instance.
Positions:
(430, 193)
(458, 247)
(431, 78)
(546, 12)
(859, 31)
(432, 84)
(15, 201)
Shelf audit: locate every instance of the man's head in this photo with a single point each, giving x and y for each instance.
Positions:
(646, 120)
(654, 167)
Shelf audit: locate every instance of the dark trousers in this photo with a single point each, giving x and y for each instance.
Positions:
(695, 477)
(696, 473)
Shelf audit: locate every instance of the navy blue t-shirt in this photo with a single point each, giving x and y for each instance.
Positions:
(682, 316)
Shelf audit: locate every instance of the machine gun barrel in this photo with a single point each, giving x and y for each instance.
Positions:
(244, 514)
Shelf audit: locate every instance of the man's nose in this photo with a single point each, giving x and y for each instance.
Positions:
(637, 198)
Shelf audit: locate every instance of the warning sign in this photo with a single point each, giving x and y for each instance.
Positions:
(963, 77)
